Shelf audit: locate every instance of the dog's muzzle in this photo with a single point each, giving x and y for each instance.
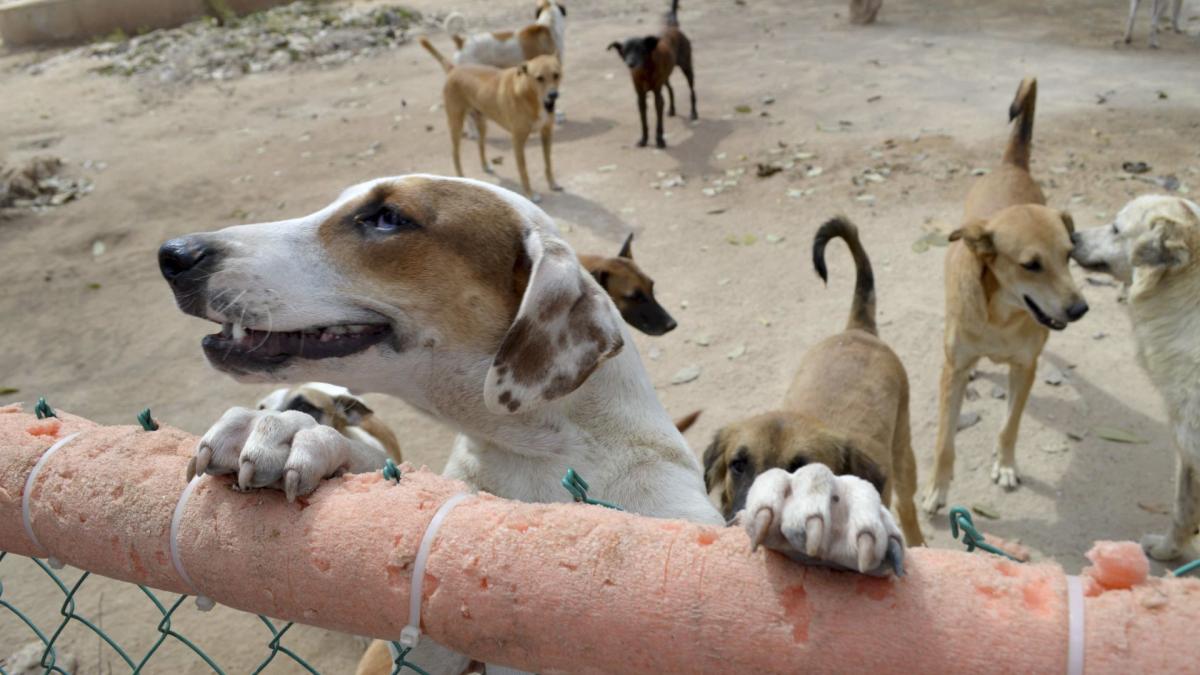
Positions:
(551, 98)
(187, 263)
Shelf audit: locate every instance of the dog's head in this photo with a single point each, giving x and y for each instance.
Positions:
(544, 73)
(420, 286)
(1027, 248)
(631, 290)
(1153, 236)
(635, 51)
(548, 12)
(740, 452)
(328, 404)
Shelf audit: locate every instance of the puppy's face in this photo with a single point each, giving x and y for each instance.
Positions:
(544, 73)
(328, 404)
(1028, 249)
(1152, 232)
(397, 273)
(777, 440)
(635, 51)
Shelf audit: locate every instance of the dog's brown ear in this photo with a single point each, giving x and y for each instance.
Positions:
(601, 277)
(352, 408)
(975, 235)
(564, 329)
(627, 248)
(714, 464)
(855, 462)
(562, 8)
(1156, 252)
(1068, 222)
(618, 47)
(523, 69)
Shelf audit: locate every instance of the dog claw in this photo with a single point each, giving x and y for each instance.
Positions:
(291, 484)
(200, 461)
(758, 528)
(895, 554)
(191, 469)
(814, 532)
(866, 551)
(245, 475)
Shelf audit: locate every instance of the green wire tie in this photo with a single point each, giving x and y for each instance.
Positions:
(43, 409)
(391, 471)
(578, 488)
(960, 519)
(1186, 568)
(147, 421)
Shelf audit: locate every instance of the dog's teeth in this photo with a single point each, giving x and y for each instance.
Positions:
(226, 328)
(238, 332)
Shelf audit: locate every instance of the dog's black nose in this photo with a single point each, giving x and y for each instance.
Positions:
(553, 96)
(1076, 311)
(670, 325)
(179, 256)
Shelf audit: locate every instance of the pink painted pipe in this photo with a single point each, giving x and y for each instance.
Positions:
(563, 587)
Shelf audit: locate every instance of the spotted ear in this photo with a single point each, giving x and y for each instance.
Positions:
(975, 235)
(564, 329)
(1157, 252)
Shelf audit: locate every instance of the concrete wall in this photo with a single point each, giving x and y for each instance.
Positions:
(40, 22)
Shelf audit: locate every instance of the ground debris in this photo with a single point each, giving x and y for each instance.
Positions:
(38, 184)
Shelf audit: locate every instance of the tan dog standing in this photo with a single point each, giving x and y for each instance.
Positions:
(520, 99)
(847, 408)
(1008, 282)
(1154, 246)
(631, 290)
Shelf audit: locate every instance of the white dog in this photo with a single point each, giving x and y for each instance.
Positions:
(1157, 9)
(461, 298)
(1154, 247)
(505, 49)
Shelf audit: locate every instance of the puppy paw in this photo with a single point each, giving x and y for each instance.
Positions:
(935, 498)
(817, 518)
(1005, 476)
(1160, 547)
(285, 451)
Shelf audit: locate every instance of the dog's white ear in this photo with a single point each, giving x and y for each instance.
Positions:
(565, 328)
(1156, 252)
(975, 235)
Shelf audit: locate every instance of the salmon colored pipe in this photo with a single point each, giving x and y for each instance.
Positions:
(563, 587)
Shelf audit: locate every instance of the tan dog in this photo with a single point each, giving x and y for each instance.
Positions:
(520, 99)
(847, 408)
(1154, 246)
(631, 290)
(336, 407)
(1008, 281)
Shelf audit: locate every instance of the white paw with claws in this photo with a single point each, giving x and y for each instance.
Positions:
(815, 517)
(286, 451)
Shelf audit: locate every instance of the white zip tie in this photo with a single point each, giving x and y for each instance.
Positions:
(203, 602)
(1075, 625)
(54, 563)
(411, 635)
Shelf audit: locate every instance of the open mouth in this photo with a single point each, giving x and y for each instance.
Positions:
(247, 348)
(548, 104)
(1042, 317)
(1094, 266)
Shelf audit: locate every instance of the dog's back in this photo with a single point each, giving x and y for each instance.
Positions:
(1010, 183)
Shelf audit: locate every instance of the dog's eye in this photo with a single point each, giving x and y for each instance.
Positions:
(1034, 265)
(739, 465)
(1114, 229)
(541, 78)
(387, 221)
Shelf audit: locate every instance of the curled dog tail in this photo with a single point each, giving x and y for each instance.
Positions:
(455, 23)
(446, 65)
(862, 310)
(672, 18)
(1021, 111)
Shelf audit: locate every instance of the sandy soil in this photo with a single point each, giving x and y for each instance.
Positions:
(921, 96)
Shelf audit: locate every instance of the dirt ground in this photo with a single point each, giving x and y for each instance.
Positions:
(918, 100)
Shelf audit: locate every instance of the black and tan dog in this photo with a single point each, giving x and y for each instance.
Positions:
(847, 408)
(651, 60)
(631, 290)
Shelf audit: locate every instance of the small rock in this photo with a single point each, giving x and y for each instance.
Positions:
(607, 168)
(768, 100)
(736, 353)
(98, 248)
(1052, 376)
(774, 238)
(999, 392)
(686, 375)
(979, 172)
(971, 394)
(1135, 167)
(814, 172)
(1099, 335)
(655, 353)
(1055, 447)
(743, 109)
(968, 419)
(704, 340)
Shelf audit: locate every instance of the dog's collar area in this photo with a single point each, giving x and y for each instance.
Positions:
(1043, 318)
(250, 348)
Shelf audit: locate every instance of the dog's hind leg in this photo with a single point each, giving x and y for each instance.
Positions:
(953, 387)
(1133, 8)
(1176, 8)
(481, 127)
(685, 64)
(904, 482)
(1020, 382)
(1186, 515)
(518, 141)
(547, 142)
(1157, 9)
(671, 100)
(641, 104)
(658, 119)
(455, 114)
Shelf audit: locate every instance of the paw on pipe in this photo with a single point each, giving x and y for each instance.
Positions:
(564, 587)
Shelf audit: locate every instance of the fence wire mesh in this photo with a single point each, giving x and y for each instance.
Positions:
(32, 622)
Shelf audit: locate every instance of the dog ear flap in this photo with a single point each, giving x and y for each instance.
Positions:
(352, 408)
(601, 277)
(564, 329)
(523, 69)
(975, 235)
(715, 465)
(562, 8)
(627, 248)
(1068, 222)
(651, 41)
(620, 49)
(1157, 252)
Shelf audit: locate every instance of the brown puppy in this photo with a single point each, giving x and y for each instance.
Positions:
(519, 99)
(631, 290)
(651, 60)
(1007, 283)
(847, 408)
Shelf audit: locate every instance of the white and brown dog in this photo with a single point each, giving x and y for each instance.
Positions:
(462, 299)
(1154, 247)
(505, 49)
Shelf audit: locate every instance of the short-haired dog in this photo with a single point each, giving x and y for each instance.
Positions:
(631, 290)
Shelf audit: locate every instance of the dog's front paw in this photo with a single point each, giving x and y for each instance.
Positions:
(267, 448)
(815, 517)
(556, 187)
(661, 143)
(1160, 547)
(1005, 476)
(641, 143)
(935, 498)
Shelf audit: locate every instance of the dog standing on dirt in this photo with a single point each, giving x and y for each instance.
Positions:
(336, 407)
(505, 49)
(1157, 9)
(847, 408)
(631, 290)
(1154, 247)
(651, 60)
(520, 99)
(1008, 283)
